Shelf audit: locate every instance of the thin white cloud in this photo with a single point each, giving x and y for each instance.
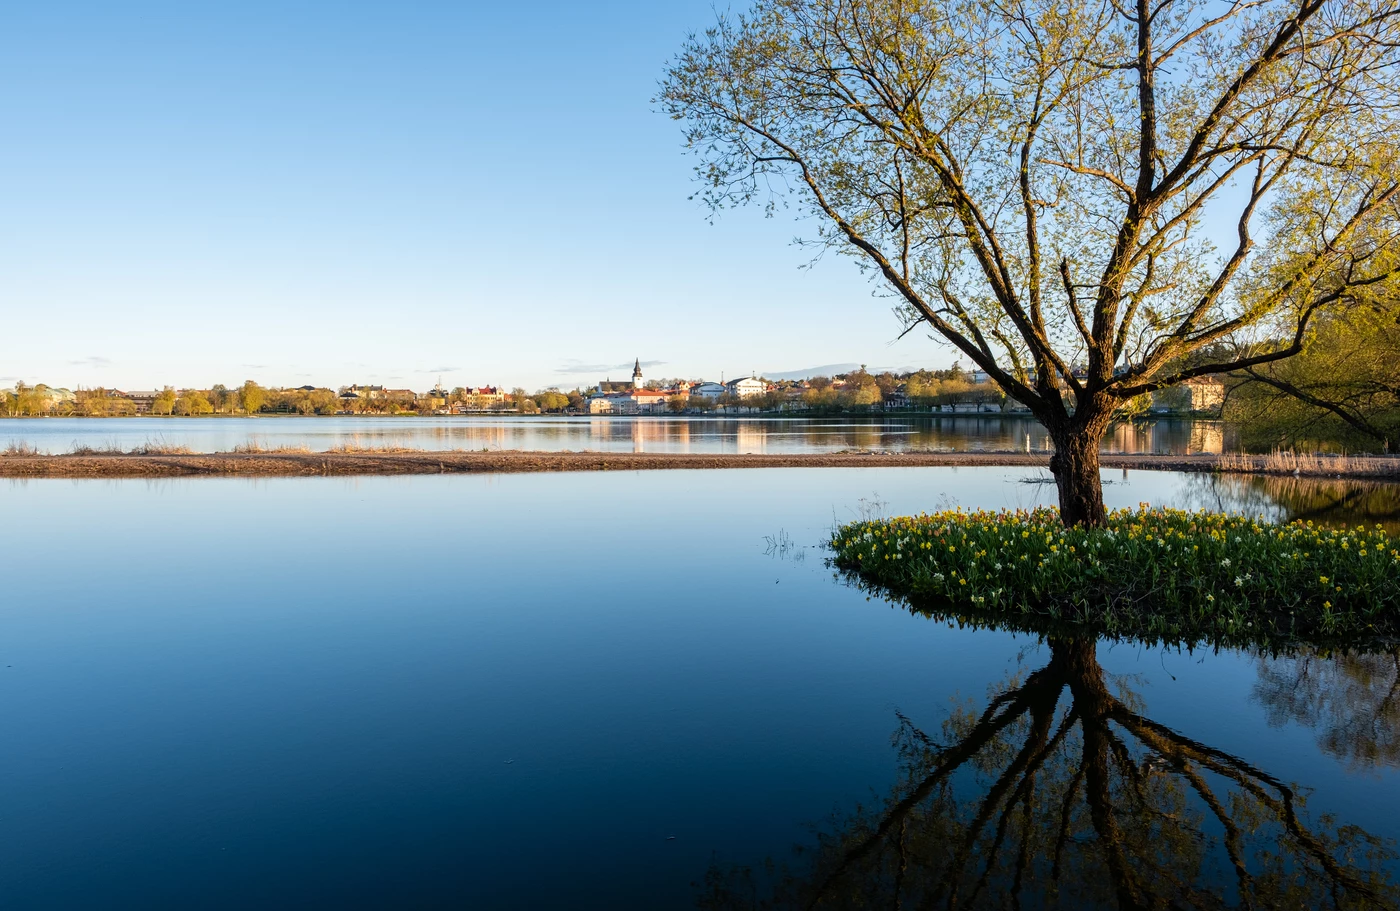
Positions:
(92, 360)
(806, 372)
(576, 367)
(831, 370)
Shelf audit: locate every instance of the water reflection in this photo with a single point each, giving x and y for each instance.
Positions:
(1063, 792)
(1323, 500)
(610, 434)
(1352, 702)
(1167, 437)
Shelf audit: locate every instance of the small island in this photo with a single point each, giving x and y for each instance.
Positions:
(1161, 576)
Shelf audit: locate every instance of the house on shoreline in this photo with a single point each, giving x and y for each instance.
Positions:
(1198, 395)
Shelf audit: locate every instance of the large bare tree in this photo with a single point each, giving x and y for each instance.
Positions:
(1090, 199)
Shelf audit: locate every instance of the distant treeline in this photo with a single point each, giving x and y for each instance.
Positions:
(251, 398)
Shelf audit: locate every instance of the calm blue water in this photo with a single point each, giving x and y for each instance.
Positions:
(622, 434)
(517, 691)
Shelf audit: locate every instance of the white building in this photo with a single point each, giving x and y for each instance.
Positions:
(638, 401)
(708, 390)
(747, 386)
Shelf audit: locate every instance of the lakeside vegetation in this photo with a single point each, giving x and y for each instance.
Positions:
(1158, 575)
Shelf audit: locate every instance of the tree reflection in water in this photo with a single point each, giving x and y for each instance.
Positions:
(1322, 500)
(1062, 794)
(1353, 702)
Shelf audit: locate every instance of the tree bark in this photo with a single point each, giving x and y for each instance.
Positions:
(1075, 466)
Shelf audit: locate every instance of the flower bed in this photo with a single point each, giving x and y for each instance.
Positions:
(1155, 574)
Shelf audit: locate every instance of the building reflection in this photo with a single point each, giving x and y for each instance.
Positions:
(750, 437)
(970, 432)
(658, 435)
(1167, 437)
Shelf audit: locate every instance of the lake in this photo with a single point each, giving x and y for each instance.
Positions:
(638, 689)
(615, 434)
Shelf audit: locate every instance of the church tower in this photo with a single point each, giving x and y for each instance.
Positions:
(637, 374)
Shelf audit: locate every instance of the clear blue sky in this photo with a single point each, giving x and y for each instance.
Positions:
(194, 193)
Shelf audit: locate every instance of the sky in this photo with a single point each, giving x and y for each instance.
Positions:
(335, 193)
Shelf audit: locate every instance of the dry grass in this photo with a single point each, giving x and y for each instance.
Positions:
(84, 449)
(253, 447)
(149, 448)
(349, 449)
(1302, 463)
(20, 448)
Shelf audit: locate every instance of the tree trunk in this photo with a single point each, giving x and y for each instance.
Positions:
(1075, 466)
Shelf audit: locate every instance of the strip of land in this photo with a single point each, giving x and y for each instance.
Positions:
(281, 464)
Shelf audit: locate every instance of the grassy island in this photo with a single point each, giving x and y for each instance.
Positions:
(1160, 575)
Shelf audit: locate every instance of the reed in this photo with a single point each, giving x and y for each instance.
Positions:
(150, 448)
(1283, 461)
(253, 447)
(88, 449)
(350, 449)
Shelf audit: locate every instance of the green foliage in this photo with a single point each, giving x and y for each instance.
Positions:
(102, 402)
(191, 402)
(867, 395)
(523, 403)
(1154, 574)
(1342, 392)
(164, 402)
(252, 396)
(551, 400)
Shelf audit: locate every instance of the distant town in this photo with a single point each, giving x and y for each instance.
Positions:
(951, 391)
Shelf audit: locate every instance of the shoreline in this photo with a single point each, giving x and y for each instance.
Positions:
(310, 464)
(869, 416)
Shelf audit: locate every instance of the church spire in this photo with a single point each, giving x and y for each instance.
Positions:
(637, 373)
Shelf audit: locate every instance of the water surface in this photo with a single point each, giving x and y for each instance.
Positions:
(602, 690)
(607, 434)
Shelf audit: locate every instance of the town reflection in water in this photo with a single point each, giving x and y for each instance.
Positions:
(1063, 792)
(961, 433)
(663, 434)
